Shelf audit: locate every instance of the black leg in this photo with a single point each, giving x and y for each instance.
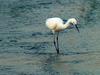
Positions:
(57, 43)
(54, 42)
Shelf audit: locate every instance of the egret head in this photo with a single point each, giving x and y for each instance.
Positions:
(73, 21)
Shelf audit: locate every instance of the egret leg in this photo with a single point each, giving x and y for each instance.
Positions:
(54, 41)
(57, 49)
(56, 44)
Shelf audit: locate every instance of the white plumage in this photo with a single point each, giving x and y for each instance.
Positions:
(56, 25)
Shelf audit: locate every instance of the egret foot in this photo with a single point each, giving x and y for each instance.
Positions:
(57, 51)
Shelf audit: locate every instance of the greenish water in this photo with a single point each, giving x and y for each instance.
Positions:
(26, 46)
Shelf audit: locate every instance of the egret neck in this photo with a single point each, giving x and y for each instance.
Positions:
(66, 25)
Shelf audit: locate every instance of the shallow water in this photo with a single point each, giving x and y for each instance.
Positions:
(26, 46)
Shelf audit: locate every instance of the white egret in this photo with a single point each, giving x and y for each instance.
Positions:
(57, 24)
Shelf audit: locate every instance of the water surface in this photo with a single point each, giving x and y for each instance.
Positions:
(26, 45)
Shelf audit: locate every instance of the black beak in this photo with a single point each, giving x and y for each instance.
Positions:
(77, 28)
